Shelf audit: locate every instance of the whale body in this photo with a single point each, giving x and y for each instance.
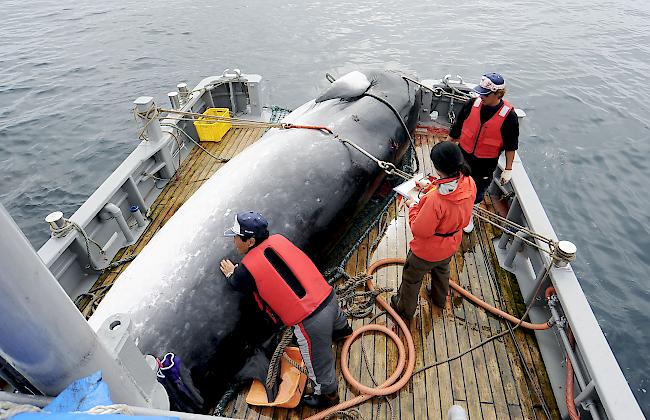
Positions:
(307, 184)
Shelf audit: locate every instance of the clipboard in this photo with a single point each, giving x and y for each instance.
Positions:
(408, 189)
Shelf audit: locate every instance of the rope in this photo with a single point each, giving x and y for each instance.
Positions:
(358, 304)
(352, 414)
(111, 409)
(274, 365)
(9, 409)
(230, 394)
(217, 158)
(485, 215)
(69, 226)
(401, 120)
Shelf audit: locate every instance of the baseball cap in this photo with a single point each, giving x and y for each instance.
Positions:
(248, 223)
(490, 82)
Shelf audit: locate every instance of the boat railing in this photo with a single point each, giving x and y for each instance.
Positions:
(115, 215)
(602, 388)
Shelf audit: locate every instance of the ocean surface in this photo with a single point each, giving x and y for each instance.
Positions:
(69, 72)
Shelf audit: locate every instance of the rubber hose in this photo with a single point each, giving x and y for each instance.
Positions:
(388, 387)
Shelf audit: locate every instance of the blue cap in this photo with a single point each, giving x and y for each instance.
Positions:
(248, 223)
(490, 82)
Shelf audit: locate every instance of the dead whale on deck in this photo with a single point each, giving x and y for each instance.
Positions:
(309, 186)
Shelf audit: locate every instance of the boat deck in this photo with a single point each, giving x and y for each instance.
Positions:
(490, 382)
(195, 170)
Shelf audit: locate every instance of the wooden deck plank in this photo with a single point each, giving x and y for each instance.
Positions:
(493, 327)
(452, 341)
(468, 361)
(379, 365)
(476, 321)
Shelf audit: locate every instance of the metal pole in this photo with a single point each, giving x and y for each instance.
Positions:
(577, 370)
(515, 247)
(147, 112)
(42, 334)
(116, 213)
(134, 194)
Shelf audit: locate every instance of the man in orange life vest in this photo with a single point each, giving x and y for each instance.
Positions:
(485, 126)
(289, 288)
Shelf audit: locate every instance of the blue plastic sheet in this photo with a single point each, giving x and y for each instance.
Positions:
(82, 395)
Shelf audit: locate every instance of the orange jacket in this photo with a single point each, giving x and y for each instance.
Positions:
(484, 141)
(442, 214)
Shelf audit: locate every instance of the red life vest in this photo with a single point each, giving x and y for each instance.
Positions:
(298, 291)
(484, 141)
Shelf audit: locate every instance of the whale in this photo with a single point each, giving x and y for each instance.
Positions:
(306, 182)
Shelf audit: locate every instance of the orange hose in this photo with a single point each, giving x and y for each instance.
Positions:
(388, 387)
(496, 311)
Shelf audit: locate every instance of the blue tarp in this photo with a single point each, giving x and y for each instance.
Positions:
(82, 395)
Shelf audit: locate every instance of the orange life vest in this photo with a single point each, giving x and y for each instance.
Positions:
(298, 291)
(484, 141)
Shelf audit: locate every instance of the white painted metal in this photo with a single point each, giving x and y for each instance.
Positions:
(41, 402)
(612, 388)
(42, 334)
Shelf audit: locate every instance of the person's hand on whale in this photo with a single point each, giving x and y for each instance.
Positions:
(227, 267)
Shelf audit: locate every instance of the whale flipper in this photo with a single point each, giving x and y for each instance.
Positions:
(350, 86)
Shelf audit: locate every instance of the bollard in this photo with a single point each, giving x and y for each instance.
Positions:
(174, 100)
(146, 109)
(184, 92)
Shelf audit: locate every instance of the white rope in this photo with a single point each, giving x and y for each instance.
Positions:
(111, 409)
(69, 226)
(9, 409)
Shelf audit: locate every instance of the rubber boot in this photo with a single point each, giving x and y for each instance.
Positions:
(470, 227)
(321, 401)
(344, 332)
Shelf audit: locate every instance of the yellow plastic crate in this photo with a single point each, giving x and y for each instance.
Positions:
(212, 130)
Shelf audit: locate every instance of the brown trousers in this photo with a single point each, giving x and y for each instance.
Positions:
(414, 270)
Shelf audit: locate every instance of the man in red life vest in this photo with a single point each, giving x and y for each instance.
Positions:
(436, 222)
(485, 126)
(289, 288)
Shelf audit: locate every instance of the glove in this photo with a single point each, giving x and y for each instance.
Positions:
(506, 176)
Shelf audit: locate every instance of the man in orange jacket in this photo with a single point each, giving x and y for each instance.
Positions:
(436, 223)
(486, 126)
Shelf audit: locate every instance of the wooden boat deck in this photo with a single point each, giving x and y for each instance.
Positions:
(490, 382)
